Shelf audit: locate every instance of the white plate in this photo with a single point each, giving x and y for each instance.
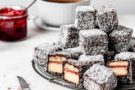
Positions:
(38, 22)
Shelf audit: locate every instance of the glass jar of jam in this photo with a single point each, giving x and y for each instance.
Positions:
(13, 23)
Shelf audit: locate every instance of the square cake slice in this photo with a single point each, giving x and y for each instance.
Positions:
(119, 39)
(55, 64)
(85, 17)
(123, 67)
(74, 69)
(120, 68)
(93, 42)
(72, 74)
(99, 77)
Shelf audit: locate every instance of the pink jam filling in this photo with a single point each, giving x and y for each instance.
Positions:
(118, 66)
(70, 71)
(56, 62)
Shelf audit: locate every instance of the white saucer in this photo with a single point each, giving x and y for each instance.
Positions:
(38, 22)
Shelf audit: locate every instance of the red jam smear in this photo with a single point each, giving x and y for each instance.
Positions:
(56, 62)
(70, 71)
(118, 66)
(14, 26)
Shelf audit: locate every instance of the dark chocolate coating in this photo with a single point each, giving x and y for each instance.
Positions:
(41, 52)
(132, 45)
(109, 55)
(93, 42)
(99, 77)
(107, 19)
(85, 18)
(69, 36)
(130, 57)
(119, 39)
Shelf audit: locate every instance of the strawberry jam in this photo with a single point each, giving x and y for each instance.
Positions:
(13, 23)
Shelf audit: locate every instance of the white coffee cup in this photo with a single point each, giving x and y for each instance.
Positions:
(57, 14)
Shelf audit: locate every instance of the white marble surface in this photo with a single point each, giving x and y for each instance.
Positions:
(16, 57)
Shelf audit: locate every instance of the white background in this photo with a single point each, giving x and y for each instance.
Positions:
(123, 6)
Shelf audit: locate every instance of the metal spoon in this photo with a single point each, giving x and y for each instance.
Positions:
(31, 4)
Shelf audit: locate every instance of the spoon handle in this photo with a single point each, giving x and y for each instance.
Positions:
(31, 4)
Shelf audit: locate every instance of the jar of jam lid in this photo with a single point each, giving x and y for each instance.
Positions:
(13, 23)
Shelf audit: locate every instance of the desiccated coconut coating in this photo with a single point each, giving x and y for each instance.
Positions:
(130, 57)
(87, 60)
(73, 53)
(85, 18)
(107, 19)
(69, 36)
(119, 39)
(69, 53)
(90, 60)
(99, 77)
(121, 35)
(93, 42)
(41, 52)
(125, 56)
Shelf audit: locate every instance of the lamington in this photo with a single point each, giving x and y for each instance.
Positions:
(74, 69)
(69, 36)
(41, 52)
(99, 77)
(93, 42)
(124, 67)
(73, 73)
(57, 59)
(85, 18)
(119, 39)
(107, 18)
(55, 64)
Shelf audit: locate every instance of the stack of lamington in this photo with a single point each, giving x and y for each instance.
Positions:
(92, 52)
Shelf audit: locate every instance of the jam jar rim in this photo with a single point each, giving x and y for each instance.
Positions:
(14, 17)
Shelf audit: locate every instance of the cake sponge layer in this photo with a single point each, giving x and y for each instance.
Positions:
(55, 63)
(118, 63)
(55, 67)
(57, 58)
(120, 68)
(71, 74)
(120, 71)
